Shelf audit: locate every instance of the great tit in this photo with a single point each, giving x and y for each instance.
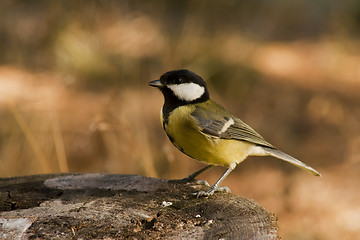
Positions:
(206, 131)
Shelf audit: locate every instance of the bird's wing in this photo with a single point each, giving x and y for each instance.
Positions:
(216, 121)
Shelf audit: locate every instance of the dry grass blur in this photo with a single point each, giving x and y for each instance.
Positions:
(74, 95)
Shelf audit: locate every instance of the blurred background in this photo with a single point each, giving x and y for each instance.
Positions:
(74, 95)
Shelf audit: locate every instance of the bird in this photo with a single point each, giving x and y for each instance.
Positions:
(206, 131)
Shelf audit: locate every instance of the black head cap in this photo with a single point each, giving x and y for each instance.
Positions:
(181, 76)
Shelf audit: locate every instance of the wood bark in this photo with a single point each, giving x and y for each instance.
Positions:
(98, 206)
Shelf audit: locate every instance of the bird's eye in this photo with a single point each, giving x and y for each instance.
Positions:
(179, 80)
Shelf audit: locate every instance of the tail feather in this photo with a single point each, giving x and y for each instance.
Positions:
(283, 156)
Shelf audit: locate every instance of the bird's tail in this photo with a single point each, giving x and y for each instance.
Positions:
(283, 156)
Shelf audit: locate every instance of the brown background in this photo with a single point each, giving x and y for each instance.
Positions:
(74, 95)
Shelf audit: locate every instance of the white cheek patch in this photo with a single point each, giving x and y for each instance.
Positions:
(187, 91)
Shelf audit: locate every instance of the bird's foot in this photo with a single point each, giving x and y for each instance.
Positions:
(211, 191)
(190, 180)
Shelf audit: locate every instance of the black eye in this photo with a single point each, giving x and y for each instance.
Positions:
(179, 80)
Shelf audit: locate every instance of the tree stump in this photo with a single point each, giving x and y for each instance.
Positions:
(98, 206)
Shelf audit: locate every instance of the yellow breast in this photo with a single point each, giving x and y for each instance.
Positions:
(184, 133)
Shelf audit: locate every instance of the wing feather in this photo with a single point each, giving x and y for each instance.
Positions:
(212, 120)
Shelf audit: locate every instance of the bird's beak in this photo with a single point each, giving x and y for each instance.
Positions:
(156, 83)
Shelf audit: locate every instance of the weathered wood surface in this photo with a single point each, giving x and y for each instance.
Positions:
(98, 206)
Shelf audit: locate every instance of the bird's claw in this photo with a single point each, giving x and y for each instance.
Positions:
(223, 189)
(188, 180)
(211, 191)
(201, 182)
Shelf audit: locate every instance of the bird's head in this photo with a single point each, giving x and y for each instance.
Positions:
(182, 87)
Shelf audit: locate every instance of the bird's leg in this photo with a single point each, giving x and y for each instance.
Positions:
(216, 187)
(191, 177)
